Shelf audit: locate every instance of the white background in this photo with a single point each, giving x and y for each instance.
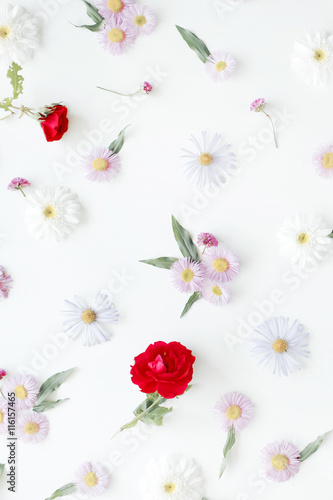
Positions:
(130, 219)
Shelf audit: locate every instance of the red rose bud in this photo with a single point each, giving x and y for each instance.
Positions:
(165, 368)
(55, 124)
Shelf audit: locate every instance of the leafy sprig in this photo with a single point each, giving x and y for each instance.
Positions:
(95, 16)
(16, 81)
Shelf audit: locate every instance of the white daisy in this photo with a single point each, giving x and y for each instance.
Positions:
(32, 427)
(312, 58)
(141, 18)
(172, 477)
(91, 480)
(19, 32)
(25, 388)
(304, 239)
(81, 317)
(207, 164)
(52, 213)
(220, 65)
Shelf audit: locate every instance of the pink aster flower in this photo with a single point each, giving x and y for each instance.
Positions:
(281, 461)
(141, 19)
(220, 65)
(25, 388)
(32, 427)
(234, 411)
(220, 265)
(113, 10)
(101, 165)
(3, 416)
(215, 293)
(5, 283)
(17, 184)
(147, 88)
(186, 275)
(207, 240)
(259, 105)
(3, 373)
(323, 161)
(116, 36)
(91, 480)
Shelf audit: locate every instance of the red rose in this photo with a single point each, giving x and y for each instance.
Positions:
(165, 368)
(55, 124)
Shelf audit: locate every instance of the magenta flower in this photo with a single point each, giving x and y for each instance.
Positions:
(17, 184)
(281, 460)
(234, 411)
(259, 105)
(147, 88)
(3, 373)
(186, 275)
(5, 283)
(208, 240)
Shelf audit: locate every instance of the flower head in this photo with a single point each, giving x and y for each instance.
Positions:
(303, 239)
(25, 388)
(312, 58)
(101, 165)
(54, 122)
(3, 416)
(280, 460)
(147, 88)
(220, 265)
(113, 10)
(207, 239)
(32, 427)
(141, 19)
(220, 65)
(215, 293)
(91, 480)
(3, 373)
(323, 161)
(186, 275)
(116, 36)
(210, 161)
(258, 105)
(17, 184)
(280, 342)
(234, 411)
(5, 283)
(81, 317)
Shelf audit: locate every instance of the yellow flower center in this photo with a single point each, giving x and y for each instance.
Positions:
(220, 265)
(116, 35)
(233, 412)
(88, 316)
(115, 5)
(280, 462)
(20, 392)
(205, 159)
(31, 428)
(216, 290)
(280, 345)
(303, 238)
(1, 417)
(140, 20)
(319, 55)
(187, 275)
(169, 487)
(328, 160)
(4, 32)
(220, 66)
(100, 164)
(49, 212)
(91, 479)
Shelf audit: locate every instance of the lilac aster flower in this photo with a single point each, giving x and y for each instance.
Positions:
(220, 265)
(280, 460)
(186, 275)
(220, 65)
(116, 36)
(91, 480)
(141, 19)
(113, 10)
(234, 411)
(101, 165)
(323, 161)
(25, 388)
(215, 293)
(32, 427)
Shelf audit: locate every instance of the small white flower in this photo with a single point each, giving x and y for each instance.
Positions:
(220, 65)
(312, 58)
(91, 480)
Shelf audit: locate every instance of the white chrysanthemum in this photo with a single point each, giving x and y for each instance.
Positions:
(304, 239)
(52, 213)
(312, 58)
(172, 477)
(19, 32)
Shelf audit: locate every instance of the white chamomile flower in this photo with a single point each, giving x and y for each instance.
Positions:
(19, 33)
(312, 58)
(304, 239)
(172, 477)
(52, 213)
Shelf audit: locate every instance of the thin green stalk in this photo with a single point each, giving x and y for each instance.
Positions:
(275, 140)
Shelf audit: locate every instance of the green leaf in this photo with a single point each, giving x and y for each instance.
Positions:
(16, 80)
(93, 12)
(155, 417)
(2, 467)
(118, 143)
(163, 262)
(51, 384)
(63, 491)
(184, 240)
(231, 439)
(47, 405)
(311, 448)
(6, 103)
(194, 297)
(92, 27)
(330, 235)
(199, 47)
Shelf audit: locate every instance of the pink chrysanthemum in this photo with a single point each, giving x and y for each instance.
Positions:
(207, 239)
(3, 373)
(147, 88)
(220, 65)
(113, 10)
(32, 427)
(25, 388)
(234, 410)
(100, 166)
(220, 265)
(5, 283)
(3, 416)
(258, 105)
(186, 275)
(91, 480)
(215, 293)
(18, 183)
(116, 36)
(141, 19)
(323, 161)
(281, 461)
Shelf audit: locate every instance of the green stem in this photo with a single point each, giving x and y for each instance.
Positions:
(276, 145)
(22, 192)
(23, 110)
(118, 93)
